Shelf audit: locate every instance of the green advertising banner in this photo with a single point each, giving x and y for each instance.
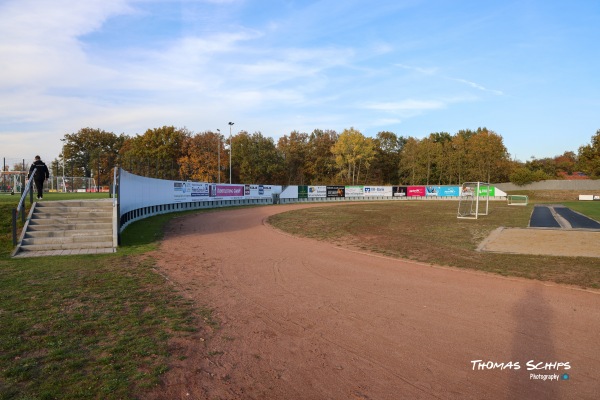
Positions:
(483, 191)
(303, 192)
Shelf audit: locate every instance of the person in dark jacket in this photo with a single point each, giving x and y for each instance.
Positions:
(41, 174)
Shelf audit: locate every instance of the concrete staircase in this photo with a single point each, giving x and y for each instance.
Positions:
(68, 227)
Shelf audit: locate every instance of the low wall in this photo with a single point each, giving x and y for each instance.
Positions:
(149, 211)
(583, 185)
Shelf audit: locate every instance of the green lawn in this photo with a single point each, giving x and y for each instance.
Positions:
(429, 232)
(87, 327)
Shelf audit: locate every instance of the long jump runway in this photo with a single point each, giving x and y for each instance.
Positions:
(559, 216)
(302, 319)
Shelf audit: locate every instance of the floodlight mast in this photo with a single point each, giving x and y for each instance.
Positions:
(230, 151)
(219, 155)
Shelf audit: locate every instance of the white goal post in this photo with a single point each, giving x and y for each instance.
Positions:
(517, 199)
(474, 200)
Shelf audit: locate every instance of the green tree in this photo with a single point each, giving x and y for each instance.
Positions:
(388, 148)
(410, 168)
(353, 154)
(255, 159)
(156, 153)
(91, 150)
(589, 157)
(294, 150)
(320, 166)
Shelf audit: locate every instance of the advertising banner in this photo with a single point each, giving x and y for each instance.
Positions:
(226, 191)
(336, 191)
(483, 191)
(399, 191)
(443, 191)
(303, 192)
(378, 191)
(317, 191)
(413, 191)
(355, 191)
(199, 190)
(258, 191)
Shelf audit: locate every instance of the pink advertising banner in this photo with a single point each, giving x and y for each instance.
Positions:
(415, 191)
(227, 191)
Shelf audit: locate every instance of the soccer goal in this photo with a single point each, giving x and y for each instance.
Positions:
(474, 200)
(517, 200)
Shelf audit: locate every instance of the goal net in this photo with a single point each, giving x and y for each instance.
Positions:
(517, 200)
(75, 184)
(474, 200)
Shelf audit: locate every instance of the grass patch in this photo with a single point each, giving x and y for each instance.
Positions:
(428, 231)
(88, 327)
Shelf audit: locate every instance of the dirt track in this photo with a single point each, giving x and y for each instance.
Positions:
(302, 319)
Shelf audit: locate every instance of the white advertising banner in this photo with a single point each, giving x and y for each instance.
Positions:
(259, 191)
(317, 191)
(355, 191)
(378, 191)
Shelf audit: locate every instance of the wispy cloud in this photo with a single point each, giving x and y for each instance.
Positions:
(477, 86)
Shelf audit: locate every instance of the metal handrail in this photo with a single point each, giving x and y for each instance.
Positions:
(20, 206)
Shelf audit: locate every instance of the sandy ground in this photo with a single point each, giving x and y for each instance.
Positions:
(301, 319)
(552, 242)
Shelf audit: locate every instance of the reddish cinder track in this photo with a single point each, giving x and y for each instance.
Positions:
(302, 319)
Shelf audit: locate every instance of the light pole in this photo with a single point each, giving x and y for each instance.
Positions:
(219, 154)
(230, 151)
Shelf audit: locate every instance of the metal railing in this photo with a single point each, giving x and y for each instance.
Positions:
(21, 206)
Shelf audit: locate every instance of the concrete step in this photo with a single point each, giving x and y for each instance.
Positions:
(39, 225)
(72, 214)
(60, 240)
(75, 203)
(69, 227)
(66, 246)
(93, 233)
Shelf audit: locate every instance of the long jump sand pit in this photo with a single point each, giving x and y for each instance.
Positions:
(302, 319)
(551, 242)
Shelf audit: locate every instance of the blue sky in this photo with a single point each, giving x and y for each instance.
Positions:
(525, 69)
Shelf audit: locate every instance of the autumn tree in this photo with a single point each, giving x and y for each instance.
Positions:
(566, 163)
(203, 153)
(489, 157)
(353, 154)
(91, 150)
(156, 153)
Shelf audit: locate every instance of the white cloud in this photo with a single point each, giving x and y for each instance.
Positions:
(404, 107)
(477, 86)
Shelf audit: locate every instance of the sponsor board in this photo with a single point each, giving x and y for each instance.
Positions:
(487, 191)
(317, 191)
(378, 191)
(399, 191)
(258, 191)
(336, 191)
(303, 192)
(354, 191)
(413, 191)
(199, 189)
(227, 191)
(442, 191)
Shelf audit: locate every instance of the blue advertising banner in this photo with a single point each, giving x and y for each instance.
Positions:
(443, 191)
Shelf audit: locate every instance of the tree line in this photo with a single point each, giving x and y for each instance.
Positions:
(317, 158)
